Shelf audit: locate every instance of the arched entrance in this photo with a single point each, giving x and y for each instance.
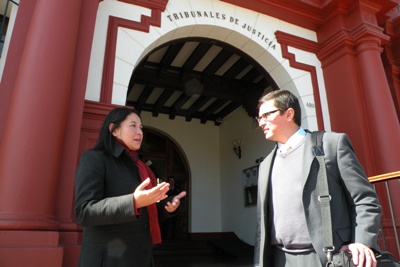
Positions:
(215, 61)
(166, 159)
(209, 51)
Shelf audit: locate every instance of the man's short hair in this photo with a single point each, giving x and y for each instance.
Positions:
(284, 100)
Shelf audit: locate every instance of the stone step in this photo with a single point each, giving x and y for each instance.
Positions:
(184, 247)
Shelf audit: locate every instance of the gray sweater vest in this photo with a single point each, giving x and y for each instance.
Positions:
(288, 224)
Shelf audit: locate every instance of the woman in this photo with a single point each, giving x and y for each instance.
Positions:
(118, 201)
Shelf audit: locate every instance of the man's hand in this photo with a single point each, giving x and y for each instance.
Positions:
(362, 255)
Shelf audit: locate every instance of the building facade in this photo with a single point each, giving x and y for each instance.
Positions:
(66, 64)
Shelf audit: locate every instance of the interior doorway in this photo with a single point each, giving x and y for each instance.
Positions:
(166, 159)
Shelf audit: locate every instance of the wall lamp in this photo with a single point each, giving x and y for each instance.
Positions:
(236, 148)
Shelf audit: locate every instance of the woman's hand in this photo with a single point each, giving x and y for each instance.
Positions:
(144, 197)
(176, 201)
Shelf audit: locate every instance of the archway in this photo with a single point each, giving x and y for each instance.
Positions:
(127, 44)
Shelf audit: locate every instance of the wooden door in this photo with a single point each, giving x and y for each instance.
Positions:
(166, 159)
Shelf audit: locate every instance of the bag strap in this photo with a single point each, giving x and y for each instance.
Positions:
(324, 196)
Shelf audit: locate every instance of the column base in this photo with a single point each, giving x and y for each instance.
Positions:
(37, 249)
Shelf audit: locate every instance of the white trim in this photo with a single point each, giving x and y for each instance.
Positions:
(11, 22)
(247, 30)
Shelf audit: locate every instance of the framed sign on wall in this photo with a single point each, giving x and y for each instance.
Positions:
(250, 182)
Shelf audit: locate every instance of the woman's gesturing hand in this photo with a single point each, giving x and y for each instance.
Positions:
(176, 201)
(144, 197)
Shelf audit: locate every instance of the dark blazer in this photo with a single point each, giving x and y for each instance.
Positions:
(354, 206)
(112, 233)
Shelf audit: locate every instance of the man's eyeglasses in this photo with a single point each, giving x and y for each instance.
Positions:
(266, 115)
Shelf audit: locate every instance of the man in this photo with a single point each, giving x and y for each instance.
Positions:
(289, 227)
(173, 188)
(169, 227)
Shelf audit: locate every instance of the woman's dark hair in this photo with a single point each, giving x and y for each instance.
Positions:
(284, 100)
(116, 116)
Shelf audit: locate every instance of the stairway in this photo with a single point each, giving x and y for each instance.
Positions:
(183, 251)
(186, 253)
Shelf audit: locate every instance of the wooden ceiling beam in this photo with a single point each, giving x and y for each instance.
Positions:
(212, 85)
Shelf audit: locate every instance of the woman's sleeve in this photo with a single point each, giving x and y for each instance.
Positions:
(91, 207)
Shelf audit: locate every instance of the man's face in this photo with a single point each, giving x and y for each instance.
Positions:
(271, 121)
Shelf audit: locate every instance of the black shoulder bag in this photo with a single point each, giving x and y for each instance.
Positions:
(341, 258)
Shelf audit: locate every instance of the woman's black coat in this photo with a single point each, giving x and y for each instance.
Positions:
(113, 235)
